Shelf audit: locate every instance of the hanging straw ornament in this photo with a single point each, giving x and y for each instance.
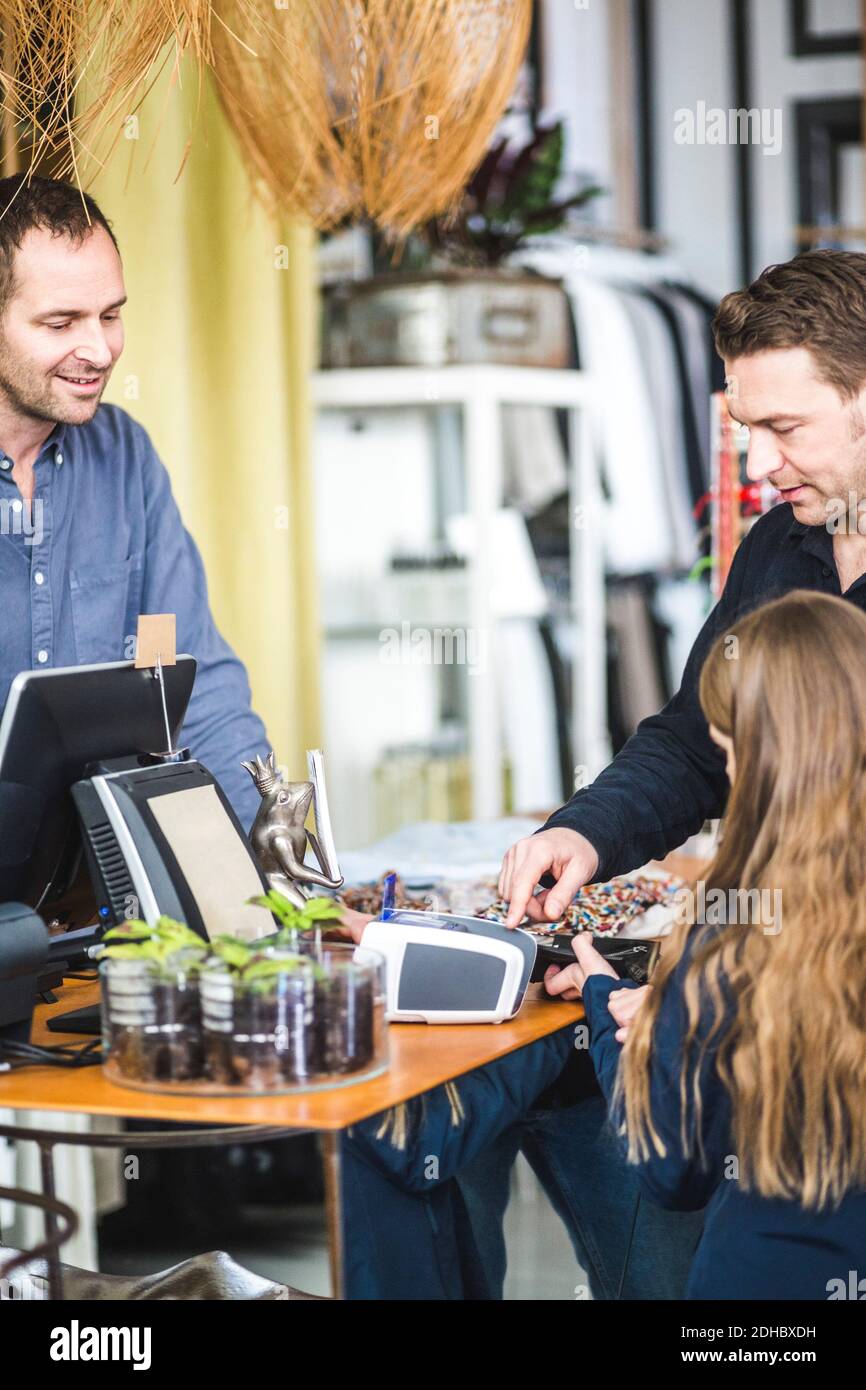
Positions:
(377, 108)
(341, 108)
(73, 72)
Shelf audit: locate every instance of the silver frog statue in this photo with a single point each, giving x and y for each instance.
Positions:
(279, 836)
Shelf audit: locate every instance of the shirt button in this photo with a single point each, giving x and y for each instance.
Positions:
(42, 657)
(39, 577)
(5, 464)
(17, 505)
(58, 458)
(826, 572)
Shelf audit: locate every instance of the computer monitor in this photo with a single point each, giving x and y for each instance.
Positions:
(55, 724)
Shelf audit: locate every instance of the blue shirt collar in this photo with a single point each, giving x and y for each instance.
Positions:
(56, 441)
(54, 446)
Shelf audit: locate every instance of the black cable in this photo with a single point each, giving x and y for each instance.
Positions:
(60, 1050)
(22, 1054)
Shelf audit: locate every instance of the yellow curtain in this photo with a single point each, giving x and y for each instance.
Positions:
(220, 337)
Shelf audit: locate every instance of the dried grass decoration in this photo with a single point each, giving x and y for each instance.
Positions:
(74, 72)
(380, 108)
(342, 108)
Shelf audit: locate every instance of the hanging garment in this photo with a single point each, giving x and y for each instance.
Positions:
(642, 687)
(659, 353)
(536, 468)
(527, 700)
(638, 534)
(682, 605)
(708, 308)
(700, 353)
(691, 319)
(691, 367)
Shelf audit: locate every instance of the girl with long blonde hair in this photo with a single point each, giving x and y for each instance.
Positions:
(741, 1081)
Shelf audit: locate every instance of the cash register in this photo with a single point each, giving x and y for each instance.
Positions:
(96, 797)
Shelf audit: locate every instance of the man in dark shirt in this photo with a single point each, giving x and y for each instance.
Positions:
(794, 347)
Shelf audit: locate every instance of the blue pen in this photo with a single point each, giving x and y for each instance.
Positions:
(389, 893)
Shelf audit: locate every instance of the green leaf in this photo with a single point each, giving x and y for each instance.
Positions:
(176, 932)
(129, 931)
(322, 909)
(284, 911)
(509, 197)
(235, 953)
(267, 967)
(133, 950)
(535, 173)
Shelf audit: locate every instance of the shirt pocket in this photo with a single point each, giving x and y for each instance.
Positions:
(105, 602)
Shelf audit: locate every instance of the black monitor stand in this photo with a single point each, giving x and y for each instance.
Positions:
(86, 1020)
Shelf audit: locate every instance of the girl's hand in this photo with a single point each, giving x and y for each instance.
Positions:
(624, 1005)
(567, 982)
(351, 926)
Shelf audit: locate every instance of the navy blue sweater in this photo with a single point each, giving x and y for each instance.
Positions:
(752, 1247)
(670, 777)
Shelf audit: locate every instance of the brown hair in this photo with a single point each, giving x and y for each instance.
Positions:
(816, 301)
(59, 207)
(785, 1010)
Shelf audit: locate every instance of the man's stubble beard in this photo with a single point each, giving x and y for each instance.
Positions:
(858, 477)
(838, 501)
(31, 395)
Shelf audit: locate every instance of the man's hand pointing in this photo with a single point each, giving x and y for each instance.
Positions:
(564, 854)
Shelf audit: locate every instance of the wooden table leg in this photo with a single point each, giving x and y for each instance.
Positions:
(334, 1208)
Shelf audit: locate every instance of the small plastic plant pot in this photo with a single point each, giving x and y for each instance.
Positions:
(151, 1024)
(259, 1032)
(307, 1020)
(350, 1002)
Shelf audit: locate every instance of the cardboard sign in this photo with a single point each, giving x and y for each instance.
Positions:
(156, 637)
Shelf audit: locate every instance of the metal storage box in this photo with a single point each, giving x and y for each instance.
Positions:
(451, 317)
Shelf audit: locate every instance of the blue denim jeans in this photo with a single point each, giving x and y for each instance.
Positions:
(579, 1163)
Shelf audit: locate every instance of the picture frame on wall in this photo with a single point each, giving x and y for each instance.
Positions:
(816, 30)
(830, 172)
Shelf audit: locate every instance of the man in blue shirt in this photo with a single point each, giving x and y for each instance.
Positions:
(90, 534)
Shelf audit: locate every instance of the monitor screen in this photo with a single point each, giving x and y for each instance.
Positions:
(202, 837)
(55, 724)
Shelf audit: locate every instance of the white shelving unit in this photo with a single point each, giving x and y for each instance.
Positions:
(480, 392)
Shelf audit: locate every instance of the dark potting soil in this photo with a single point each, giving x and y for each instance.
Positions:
(169, 1048)
(289, 1038)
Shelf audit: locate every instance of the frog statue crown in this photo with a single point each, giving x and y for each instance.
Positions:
(265, 774)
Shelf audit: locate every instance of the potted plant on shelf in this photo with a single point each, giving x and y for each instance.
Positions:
(458, 298)
(509, 199)
(150, 1002)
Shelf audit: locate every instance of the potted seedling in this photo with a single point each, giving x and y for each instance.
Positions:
(300, 926)
(260, 1030)
(150, 1004)
(347, 982)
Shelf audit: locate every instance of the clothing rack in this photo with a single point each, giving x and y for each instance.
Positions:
(631, 238)
(807, 236)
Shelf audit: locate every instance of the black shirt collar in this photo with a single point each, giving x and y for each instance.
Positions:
(814, 540)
